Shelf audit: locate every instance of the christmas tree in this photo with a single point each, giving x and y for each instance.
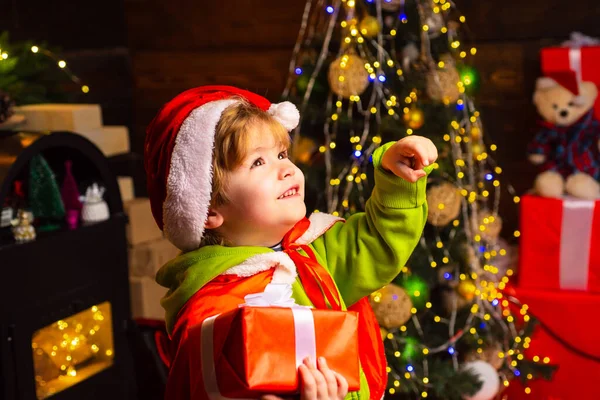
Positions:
(44, 195)
(364, 72)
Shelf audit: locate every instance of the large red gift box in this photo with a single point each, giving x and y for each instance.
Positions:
(574, 318)
(572, 64)
(252, 351)
(560, 244)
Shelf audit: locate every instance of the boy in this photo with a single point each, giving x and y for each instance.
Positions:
(224, 191)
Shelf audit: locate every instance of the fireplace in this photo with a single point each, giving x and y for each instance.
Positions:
(64, 313)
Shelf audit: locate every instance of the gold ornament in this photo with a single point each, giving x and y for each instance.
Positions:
(391, 5)
(478, 149)
(348, 76)
(391, 306)
(475, 133)
(489, 355)
(442, 84)
(303, 149)
(414, 118)
(369, 26)
(444, 204)
(488, 226)
(467, 289)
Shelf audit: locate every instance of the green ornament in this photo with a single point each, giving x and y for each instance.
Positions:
(417, 290)
(411, 349)
(469, 76)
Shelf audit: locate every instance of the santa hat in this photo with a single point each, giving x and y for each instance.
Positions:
(567, 79)
(178, 154)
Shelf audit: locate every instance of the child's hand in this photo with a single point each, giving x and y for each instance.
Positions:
(408, 156)
(318, 383)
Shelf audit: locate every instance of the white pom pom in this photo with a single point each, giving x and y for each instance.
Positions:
(488, 375)
(286, 113)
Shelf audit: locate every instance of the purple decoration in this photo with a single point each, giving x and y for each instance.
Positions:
(70, 197)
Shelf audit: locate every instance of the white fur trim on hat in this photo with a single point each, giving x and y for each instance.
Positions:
(286, 113)
(189, 183)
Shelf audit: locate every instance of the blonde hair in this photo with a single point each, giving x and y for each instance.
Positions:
(233, 140)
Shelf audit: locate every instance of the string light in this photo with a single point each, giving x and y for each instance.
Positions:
(471, 163)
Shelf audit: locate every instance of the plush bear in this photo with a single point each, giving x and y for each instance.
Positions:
(567, 147)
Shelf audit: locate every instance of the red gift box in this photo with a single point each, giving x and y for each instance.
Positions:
(573, 64)
(252, 351)
(560, 244)
(573, 317)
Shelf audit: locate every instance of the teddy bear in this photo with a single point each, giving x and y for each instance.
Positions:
(567, 148)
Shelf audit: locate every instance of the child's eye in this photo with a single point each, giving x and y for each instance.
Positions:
(258, 162)
(283, 155)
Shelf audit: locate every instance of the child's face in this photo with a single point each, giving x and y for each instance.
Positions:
(266, 194)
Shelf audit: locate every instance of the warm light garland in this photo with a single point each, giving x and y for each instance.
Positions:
(62, 64)
(476, 174)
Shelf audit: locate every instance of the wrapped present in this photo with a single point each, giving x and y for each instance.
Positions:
(141, 227)
(567, 341)
(61, 117)
(577, 60)
(559, 244)
(111, 140)
(126, 188)
(145, 295)
(146, 258)
(257, 348)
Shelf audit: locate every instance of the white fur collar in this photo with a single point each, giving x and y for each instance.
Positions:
(285, 270)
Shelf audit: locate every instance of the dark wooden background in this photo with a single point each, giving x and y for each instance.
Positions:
(137, 54)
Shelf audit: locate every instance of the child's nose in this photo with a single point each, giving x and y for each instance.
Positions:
(286, 171)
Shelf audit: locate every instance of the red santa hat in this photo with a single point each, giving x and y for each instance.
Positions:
(178, 154)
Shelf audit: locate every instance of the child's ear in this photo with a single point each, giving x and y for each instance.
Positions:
(214, 220)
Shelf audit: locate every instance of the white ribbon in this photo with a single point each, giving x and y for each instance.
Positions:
(575, 243)
(575, 64)
(275, 295)
(578, 39)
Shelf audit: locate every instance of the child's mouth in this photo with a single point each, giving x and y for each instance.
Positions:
(289, 193)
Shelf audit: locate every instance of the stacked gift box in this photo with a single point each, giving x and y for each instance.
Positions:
(148, 250)
(559, 267)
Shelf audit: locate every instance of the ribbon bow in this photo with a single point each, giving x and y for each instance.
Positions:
(316, 280)
(275, 295)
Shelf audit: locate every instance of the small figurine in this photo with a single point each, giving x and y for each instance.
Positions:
(94, 208)
(22, 229)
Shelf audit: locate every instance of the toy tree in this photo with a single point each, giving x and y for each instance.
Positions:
(44, 195)
(370, 71)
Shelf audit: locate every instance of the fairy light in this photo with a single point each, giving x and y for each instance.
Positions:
(465, 129)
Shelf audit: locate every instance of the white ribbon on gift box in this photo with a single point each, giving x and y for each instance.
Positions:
(575, 243)
(275, 295)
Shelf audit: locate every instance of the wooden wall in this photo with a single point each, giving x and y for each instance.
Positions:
(90, 36)
(176, 45)
(137, 54)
